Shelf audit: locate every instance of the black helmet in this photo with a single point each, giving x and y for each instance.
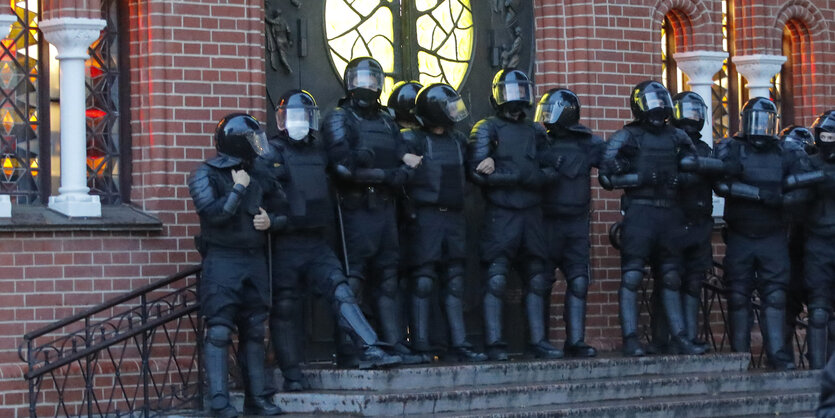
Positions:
(689, 112)
(363, 80)
(800, 135)
(402, 100)
(240, 136)
(651, 102)
(297, 114)
(558, 107)
(439, 105)
(512, 90)
(824, 129)
(759, 119)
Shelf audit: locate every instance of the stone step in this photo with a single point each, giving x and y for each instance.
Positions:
(447, 398)
(517, 372)
(783, 403)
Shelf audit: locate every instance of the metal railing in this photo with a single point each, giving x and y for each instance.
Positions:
(133, 355)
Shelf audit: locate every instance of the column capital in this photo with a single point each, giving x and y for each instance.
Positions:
(758, 69)
(6, 22)
(72, 35)
(700, 66)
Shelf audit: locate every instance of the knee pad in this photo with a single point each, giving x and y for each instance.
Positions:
(285, 307)
(423, 286)
(692, 287)
(498, 267)
(389, 285)
(818, 317)
(455, 269)
(540, 284)
(774, 298)
(671, 280)
(254, 328)
(218, 335)
(455, 286)
(343, 294)
(578, 286)
(496, 285)
(424, 270)
(631, 279)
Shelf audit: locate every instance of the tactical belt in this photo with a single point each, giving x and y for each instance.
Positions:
(658, 203)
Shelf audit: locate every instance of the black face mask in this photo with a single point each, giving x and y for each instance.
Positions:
(657, 117)
(761, 141)
(827, 150)
(365, 98)
(513, 107)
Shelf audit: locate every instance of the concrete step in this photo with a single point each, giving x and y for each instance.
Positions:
(516, 372)
(782, 403)
(484, 396)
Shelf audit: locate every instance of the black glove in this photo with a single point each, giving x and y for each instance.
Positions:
(395, 178)
(770, 198)
(732, 168)
(558, 162)
(363, 157)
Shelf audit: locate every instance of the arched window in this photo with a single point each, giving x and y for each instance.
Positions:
(30, 111)
(671, 30)
(791, 83)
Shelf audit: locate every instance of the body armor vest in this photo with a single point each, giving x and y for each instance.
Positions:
(238, 231)
(308, 195)
(697, 197)
(380, 136)
(439, 181)
(821, 219)
(515, 151)
(657, 153)
(765, 171)
(571, 195)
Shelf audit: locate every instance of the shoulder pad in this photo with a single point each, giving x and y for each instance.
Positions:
(409, 135)
(223, 161)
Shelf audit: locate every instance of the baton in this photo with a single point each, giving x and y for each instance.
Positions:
(340, 220)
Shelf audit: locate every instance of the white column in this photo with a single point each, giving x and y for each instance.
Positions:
(758, 69)
(700, 66)
(72, 36)
(6, 22)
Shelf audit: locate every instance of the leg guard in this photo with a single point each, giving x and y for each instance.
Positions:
(388, 308)
(285, 332)
(630, 282)
(690, 299)
(349, 317)
(493, 300)
(659, 327)
(774, 316)
(420, 312)
(816, 337)
(257, 400)
(216, 353)
(539, 291)
(575, 318)
(739, 330)
(454, 307)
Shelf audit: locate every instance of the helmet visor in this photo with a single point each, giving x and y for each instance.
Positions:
(826, 124)
(456, 110)
(690, 110)
(514, 91)
(364, 79)
(258, 141)
(760, 123)
(549, 112)
(294, 116)
(654, 100)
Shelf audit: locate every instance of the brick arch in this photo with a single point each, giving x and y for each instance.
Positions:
(810, 34)
(692, 22)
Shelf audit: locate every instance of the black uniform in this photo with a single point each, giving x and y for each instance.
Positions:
(757, 252)
(819, 260)
(513, 231)
(653, 220)
(301, 252)
(367, 139)
(234, 285)
(565, 206)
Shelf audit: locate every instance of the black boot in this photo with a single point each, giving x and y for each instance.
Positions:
(679, 342)
(465, 353)
(373, 356)
(816, 338)
(454, 308)
(631, 347)
(545, 350)
(496, 348)
(407, 356)
(294, 380)
(575, 321)
(286, 337)
(628, 296)
(216, 354)
(257, 400)
(538, 344)
(773, 318)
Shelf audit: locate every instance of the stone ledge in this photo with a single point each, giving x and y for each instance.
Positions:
(35, 218)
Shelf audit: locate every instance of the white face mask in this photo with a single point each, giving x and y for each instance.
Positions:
(298, 129)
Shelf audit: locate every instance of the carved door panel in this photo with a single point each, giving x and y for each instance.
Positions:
(460, 42)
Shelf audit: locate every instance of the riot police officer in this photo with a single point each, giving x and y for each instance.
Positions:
(566, 204)
(505, 157)
(401, 103)
(437, 235)
(819, 261)
(757, 252)
(301, 252)
(235, 281)
(643, 159)
(364, 142)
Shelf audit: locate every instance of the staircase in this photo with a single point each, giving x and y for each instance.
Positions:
(656, 386)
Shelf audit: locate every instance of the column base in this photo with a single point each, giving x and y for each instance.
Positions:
(5, 206)
(76, 205)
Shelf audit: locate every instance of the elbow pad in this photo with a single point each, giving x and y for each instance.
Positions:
(797, 181)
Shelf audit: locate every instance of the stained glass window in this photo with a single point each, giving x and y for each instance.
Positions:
(30, 110)
(443, 36)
